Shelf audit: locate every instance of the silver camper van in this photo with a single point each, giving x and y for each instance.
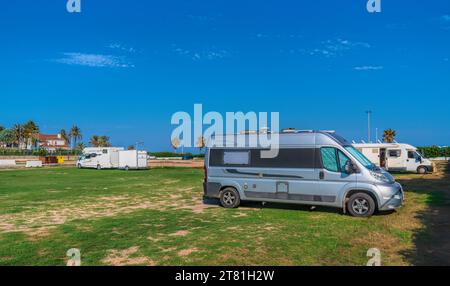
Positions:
(318, 168)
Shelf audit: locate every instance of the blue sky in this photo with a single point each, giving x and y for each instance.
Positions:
(122, 68)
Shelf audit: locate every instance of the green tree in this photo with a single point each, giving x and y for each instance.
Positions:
(80, 146)
(64, 135)
(75, 134)
(6, 137)
(94, 141)
(18, 134)
(389, 135)
(30, 129)
(104, 141)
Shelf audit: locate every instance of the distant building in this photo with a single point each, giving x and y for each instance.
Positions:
(51, 142)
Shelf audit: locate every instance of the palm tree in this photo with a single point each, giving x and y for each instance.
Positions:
(103, 141)
(64, 135)
(389, 135)
(30, 129)
(94, 141)
(201, 143)
(18, 134)
(75, 134)
(175, 142)
(80, 146)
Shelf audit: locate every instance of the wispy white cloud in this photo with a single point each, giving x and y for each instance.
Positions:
(445, 18)
(335, 47)
(368, 68)
(197, 55)
(94, 60)
(121, 47)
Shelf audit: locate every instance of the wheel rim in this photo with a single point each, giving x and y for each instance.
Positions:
(360, 206)
(229, 198)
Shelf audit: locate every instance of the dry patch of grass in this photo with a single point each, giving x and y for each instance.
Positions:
(126, 257)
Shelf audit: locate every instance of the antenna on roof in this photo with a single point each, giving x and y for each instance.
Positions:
(353, 142)
(363, 141)
(379, 141)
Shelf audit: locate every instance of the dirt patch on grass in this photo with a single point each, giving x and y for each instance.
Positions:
(126, 257)
(187, 252)
(180, 233)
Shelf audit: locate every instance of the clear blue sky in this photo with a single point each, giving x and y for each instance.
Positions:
(122, 68)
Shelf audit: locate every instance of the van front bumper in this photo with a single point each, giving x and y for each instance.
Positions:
(395, 198)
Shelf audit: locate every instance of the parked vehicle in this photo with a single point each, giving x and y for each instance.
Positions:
(317, 168)
(100, 158)
(132, 159)
(396, 157)
(187, 157)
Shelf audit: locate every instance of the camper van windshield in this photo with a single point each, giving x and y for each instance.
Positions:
(360, 157)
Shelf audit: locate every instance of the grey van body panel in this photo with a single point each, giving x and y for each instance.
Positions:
(294, 185)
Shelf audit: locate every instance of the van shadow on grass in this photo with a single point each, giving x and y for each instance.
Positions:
(432, 242)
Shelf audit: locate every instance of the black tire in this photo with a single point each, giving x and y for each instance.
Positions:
(422, 170)
(127, 168)
(361, 205)
(99, 167)
(229, 198)
(79, 166)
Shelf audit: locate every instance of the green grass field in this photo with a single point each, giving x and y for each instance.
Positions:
(157, 217)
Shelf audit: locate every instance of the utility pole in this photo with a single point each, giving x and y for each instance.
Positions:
(369, 113)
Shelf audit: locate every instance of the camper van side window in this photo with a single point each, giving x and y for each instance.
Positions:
(411, 155)
(395, 153)
(105, 151)
(236, 157)
(329, 159)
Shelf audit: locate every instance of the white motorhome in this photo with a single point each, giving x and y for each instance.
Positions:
(112, 158)
(396, 157)
(100, 158)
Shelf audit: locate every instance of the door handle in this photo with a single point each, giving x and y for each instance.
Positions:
(321, 175)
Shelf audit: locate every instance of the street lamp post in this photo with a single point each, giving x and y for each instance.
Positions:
(369, 113)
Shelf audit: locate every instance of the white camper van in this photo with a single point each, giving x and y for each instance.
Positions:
(100, 158)
(396, 157)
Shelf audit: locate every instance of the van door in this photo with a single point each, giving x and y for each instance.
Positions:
(396, 160)
(412, 161)
(332, 177)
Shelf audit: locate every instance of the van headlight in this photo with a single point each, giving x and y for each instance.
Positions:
(380, 177)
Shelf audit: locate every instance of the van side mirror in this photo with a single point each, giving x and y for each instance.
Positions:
(349, 168)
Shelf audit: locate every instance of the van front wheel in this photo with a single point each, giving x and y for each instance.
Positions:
(422, 170)
(229, 198)
(361, 205)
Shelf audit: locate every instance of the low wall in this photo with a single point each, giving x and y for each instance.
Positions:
(176, 163)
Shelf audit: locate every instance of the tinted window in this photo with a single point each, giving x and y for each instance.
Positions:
(343, 159)
(411, 155)
(236, 157)
(287, 158)
(329, 159)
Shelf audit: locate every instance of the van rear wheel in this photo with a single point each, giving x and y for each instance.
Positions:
(99, 167)
(229, 198)
(361, 205)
